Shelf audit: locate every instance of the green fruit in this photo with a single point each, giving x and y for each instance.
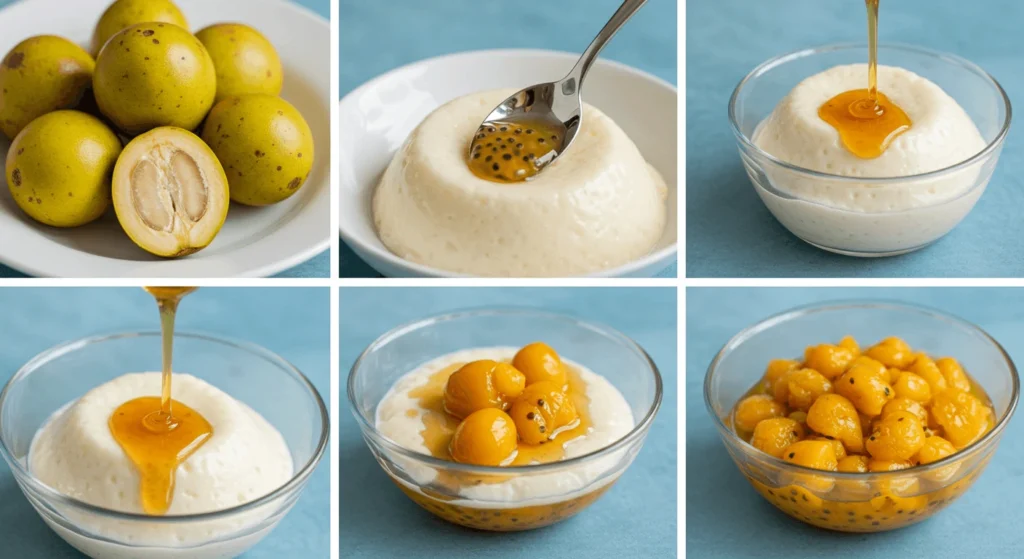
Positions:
(126, 13)
(265, 145)
(170, 192)
(59, 168)
(41, 75)
(246, 62)
(154, 74)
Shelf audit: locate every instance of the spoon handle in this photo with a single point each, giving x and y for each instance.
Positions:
(572, 83)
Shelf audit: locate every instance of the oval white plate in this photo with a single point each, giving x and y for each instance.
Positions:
(376, 118)
(254, 242)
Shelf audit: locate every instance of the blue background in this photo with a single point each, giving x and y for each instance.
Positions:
(292, 322)
(726, 518)
(636, 518)
(729, 231)
(377, 37)
(317, 267)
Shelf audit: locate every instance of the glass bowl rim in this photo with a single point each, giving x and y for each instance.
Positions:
(748, 144)
(729, 436)
(637, 432)
(53, 495)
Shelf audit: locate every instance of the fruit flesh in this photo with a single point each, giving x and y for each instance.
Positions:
(539, 362)
(41, 75)
(59, 168)
(487, 437)
(125, 13)
(154, 74)
(245, 60)
(170, 192)
(542, 411)
(265, 145)
(482, 384)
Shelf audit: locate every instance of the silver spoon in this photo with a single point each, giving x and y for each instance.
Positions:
(555, 108)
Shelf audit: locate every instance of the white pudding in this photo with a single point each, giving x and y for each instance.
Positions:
(245, 458)
(399, 417)
(873, 216)
(598, 206)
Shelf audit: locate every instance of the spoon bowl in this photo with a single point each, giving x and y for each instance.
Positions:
(553, 109)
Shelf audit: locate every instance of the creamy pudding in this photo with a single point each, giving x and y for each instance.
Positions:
(884, 212)
(417, 414)
(599, 205)
(942, 135)
(245, 458)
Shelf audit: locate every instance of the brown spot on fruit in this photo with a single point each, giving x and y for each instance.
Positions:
(21, 151)
(148, 33)
(296, 182)
(16, 177)
(14, 60)
(279, 167)
(259, 153)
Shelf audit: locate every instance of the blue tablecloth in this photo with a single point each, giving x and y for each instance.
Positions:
(380, 36)
(729, 231)
(636, 518)
(317, 267)
(34, 319)
(726, 518)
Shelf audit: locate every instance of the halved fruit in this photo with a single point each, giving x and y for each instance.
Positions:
(170, 192)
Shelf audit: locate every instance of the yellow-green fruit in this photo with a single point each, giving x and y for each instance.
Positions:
(265, 145)
(170, 192)
(126, 13)
(41, 75)
(246, 62)
(154, 74)
(59, 168)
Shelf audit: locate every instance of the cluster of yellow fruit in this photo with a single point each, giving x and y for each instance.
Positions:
(504, 406)
(887, 408)
(154, 81)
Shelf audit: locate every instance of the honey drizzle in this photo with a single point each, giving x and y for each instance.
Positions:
(866, 120)
(439, 426)
(511, 152)
(872, 6)
(159, 433)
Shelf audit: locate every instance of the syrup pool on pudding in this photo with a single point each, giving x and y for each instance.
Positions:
(504, 407)
(867, 121)
(157, 433)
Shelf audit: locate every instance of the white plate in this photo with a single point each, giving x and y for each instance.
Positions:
(376, 118)
(254, 241)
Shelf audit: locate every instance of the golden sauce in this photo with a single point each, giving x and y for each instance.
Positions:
(158, 433)
(510, 152)
(157, 455)
(439, 426)
(867, 120)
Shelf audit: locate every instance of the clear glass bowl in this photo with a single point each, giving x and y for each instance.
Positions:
(557, 490)
(869, 233)
(854, 502)
(251, 374)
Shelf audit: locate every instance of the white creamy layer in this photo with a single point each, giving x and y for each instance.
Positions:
(246, 458)
(877, 216)
(399, 418)
(598, 206)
